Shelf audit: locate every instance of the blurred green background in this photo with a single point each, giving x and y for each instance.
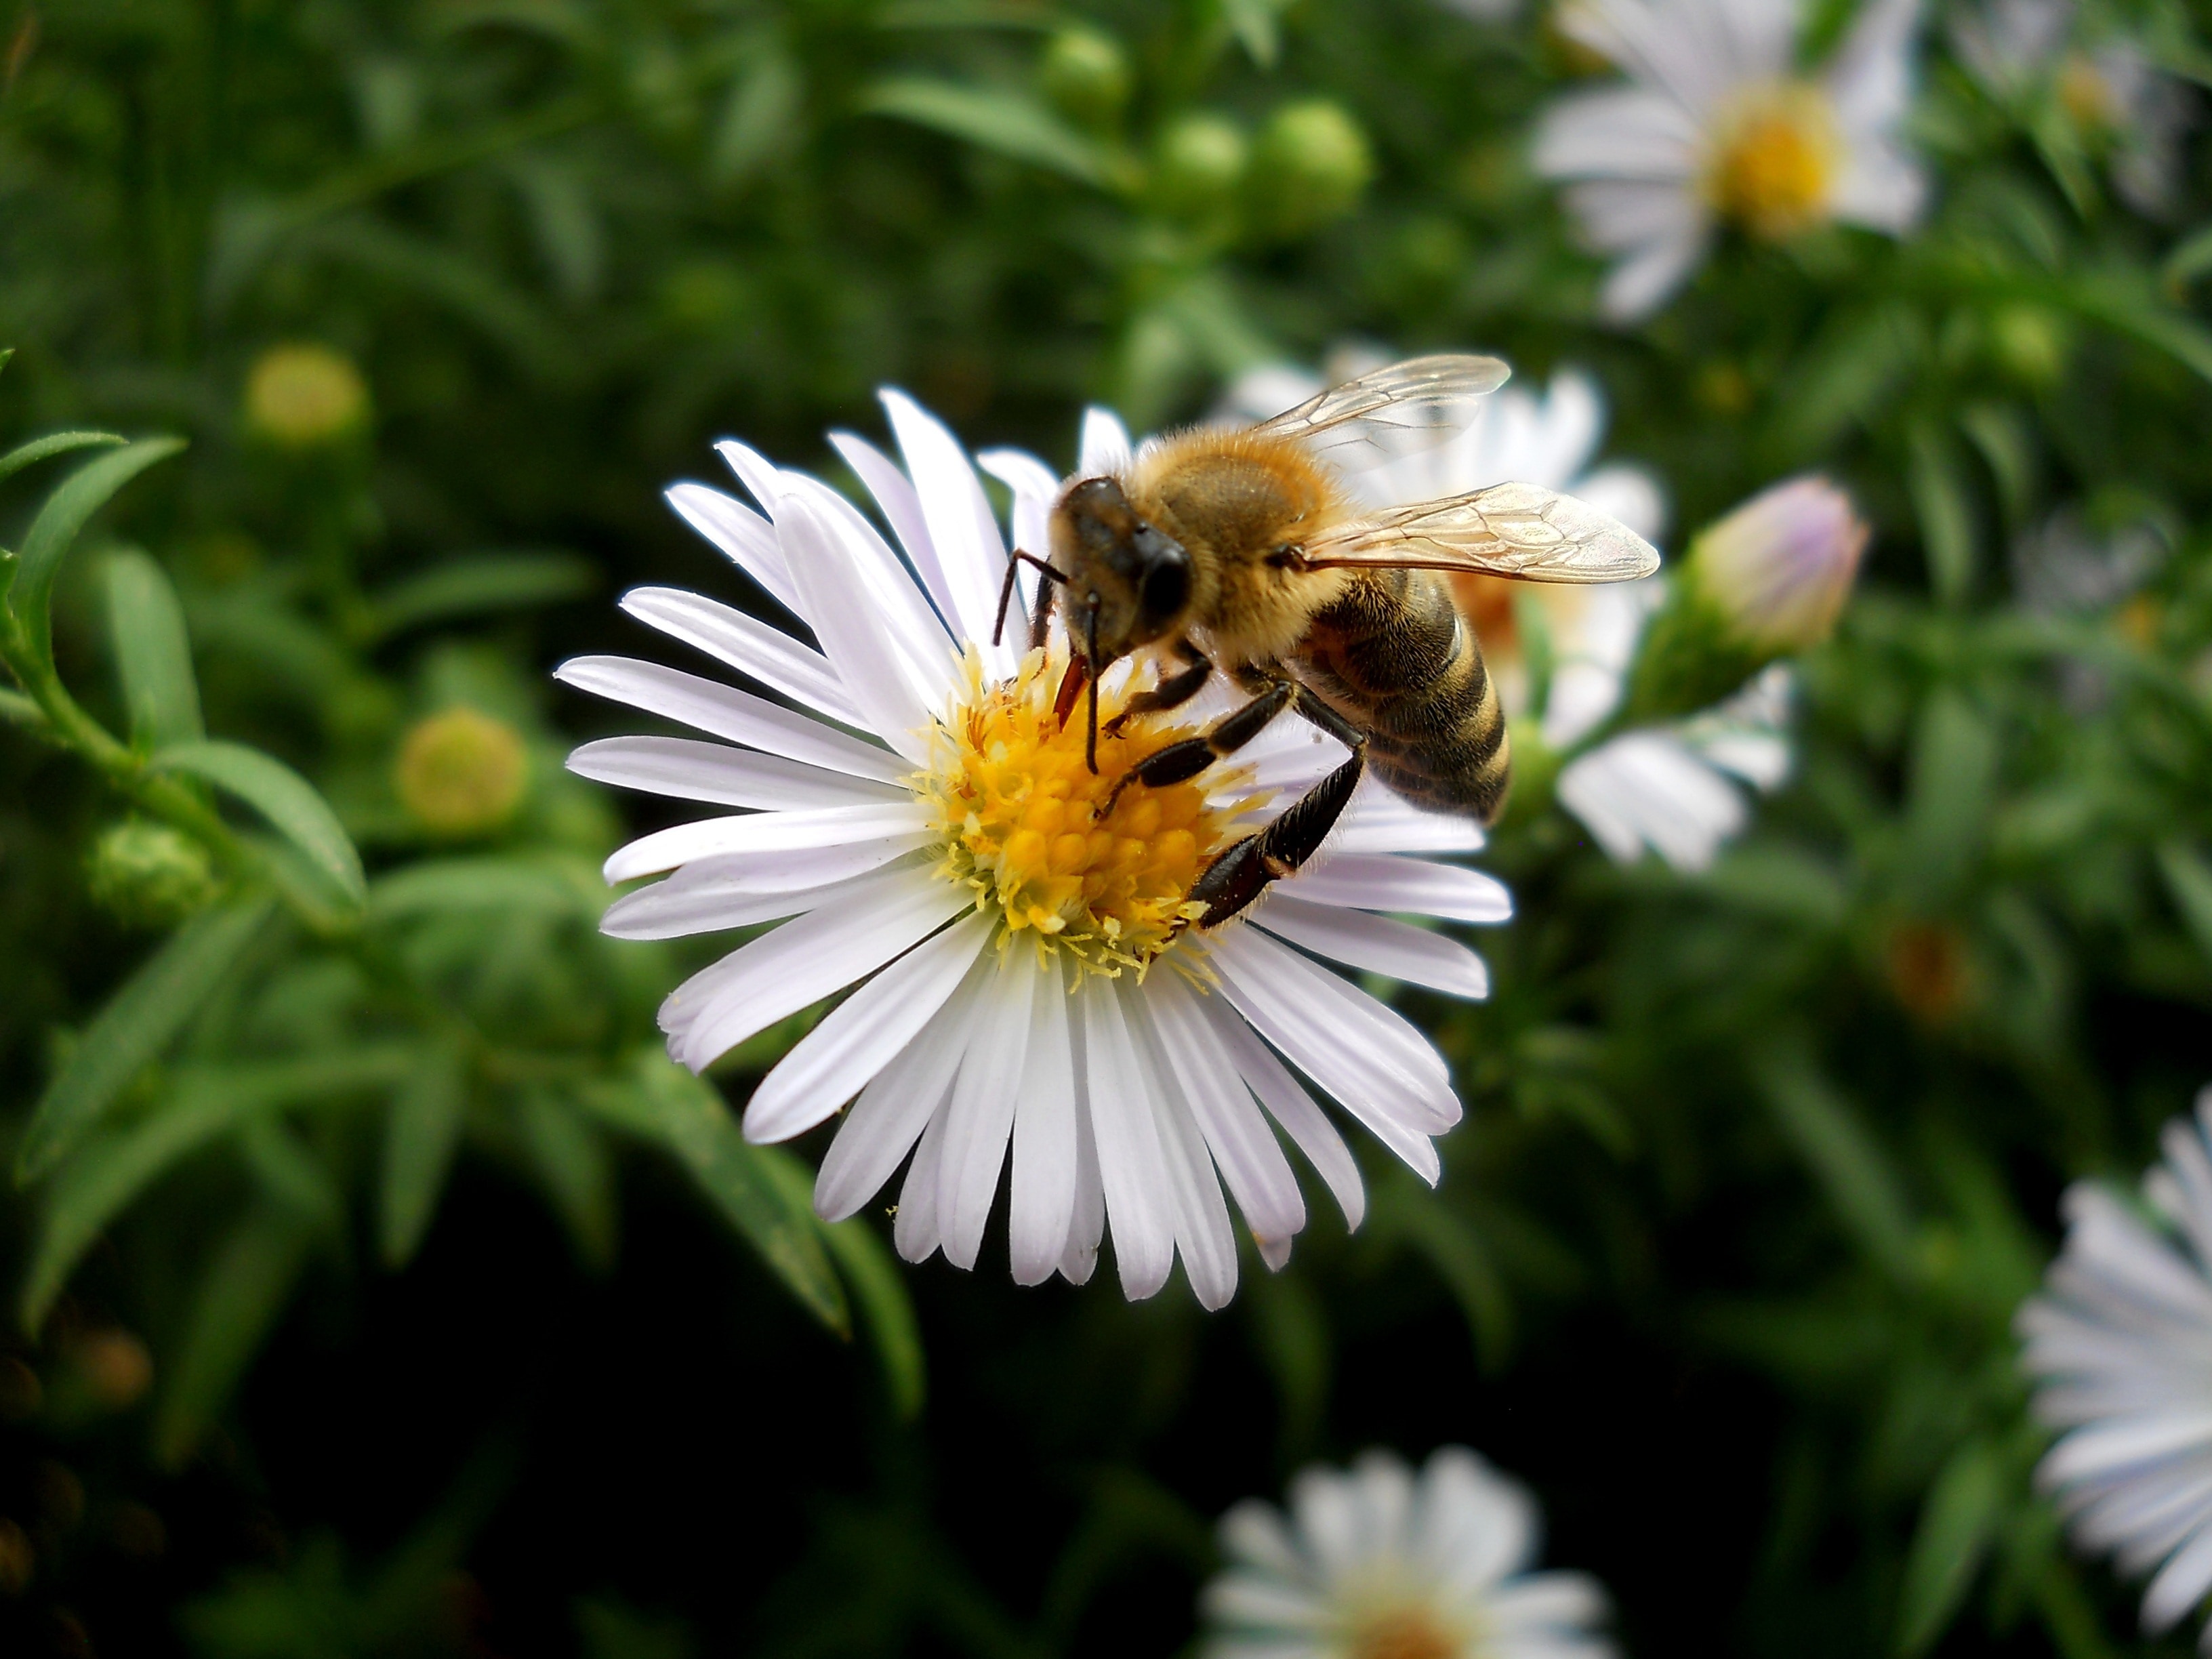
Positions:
(405, 1300)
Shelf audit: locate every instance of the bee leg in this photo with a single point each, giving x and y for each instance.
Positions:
(1179, 761)
(1241, 874)
(1172, 693)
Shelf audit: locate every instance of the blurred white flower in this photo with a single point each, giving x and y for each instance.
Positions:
(1376, 1562)
(1779, 568)
(1715, 123)
(1677, 789)
(2120, 1346)
(1027, 984)
(2023, 51)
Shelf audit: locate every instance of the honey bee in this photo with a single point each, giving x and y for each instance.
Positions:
(1245, 552)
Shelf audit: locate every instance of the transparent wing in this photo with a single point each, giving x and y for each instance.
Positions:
(1399, 411)
(1510, 530)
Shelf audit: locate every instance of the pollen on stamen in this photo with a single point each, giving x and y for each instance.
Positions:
(1018, 806)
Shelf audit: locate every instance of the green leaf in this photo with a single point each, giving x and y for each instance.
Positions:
(764, 108)
(1953, 782)
(1845, 1158)
(244, 1289)
(54, 443)
(1459, 1256)
(135, 1027)
(1956, 1525)
(437, 887)
(1947, 519)
(2122, 300)
(476, 586)
(420, 1131)
(2189, 880)
(100, 1181)
(153, 653)
(80, 496)
(1253, 22)
(1010, 124)
(572, 1165)
(872, 1275)
(662, 1102)
(286, 800)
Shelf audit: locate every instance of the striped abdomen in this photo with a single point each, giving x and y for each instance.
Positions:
(1393, 658)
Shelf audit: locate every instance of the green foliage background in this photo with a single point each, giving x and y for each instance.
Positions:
(474, 1326)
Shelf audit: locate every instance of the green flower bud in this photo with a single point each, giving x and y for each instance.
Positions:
(1312, 164)
(2031, 342)
(461, 773)
(1085, 74)
(305, 397)
(148, 875)
(1197, 165)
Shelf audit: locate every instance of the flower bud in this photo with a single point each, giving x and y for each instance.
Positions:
(461, 773)
(1197, 166)
(148, 875)
(1779, 568)
(304, 396)
(1085, 74)
(1312, 164)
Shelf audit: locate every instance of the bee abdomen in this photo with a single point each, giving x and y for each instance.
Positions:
(1395, 658)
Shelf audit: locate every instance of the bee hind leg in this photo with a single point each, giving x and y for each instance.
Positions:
(1243, 873)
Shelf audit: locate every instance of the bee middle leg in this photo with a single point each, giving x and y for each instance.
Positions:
(1244, 872)
(1180, 762)
(1172, 692)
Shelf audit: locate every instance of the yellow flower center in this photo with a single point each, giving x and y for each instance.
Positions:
(1020, 810)
(2085, 93)
(1775, 159)
(1404, 1633)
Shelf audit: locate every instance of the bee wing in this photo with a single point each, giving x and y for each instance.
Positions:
(1509, 530)
(1408, 407)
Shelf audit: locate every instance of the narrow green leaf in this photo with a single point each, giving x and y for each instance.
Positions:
(1956, 1525)
(1010, 124)
(1253, 22)
(475, 586)
(420, 1131)
(106, 1174)
(290, 1173)
(2190, 259)
(1459, 1257)
(438, 887)
(758, 120)
(134, 1029)
(1946, 520)
(2124, 300)
(572, 1165)
(1843, 1158)
(663, 1102)
(873, 1277)
(2189, 879)
(18, 710)
(153, 653)
(290, 804)
(243, 1291)
(54, 443)
(1953, 786)
(80, 496)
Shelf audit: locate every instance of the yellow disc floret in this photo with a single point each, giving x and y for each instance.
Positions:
(1019, 808)
(1774, 163)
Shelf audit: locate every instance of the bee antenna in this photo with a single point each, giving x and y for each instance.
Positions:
(1091, 655)
(1014, 562)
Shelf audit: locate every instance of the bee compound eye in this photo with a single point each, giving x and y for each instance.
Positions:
(1166, 586)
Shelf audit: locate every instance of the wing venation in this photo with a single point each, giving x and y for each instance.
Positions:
(1517, 530)
(1398, 411)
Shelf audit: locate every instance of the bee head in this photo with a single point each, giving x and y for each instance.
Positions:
(1134, 578)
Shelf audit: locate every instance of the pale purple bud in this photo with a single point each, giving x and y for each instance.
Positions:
(1779, 568)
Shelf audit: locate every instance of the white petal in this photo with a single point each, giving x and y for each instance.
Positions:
(691, 770)
(746, 644)
(1368, 882)
(915, 1230)
(1292, 1107)
(961, 524)
(676, 908)
(803, 961)
(746, 538)
(769, 832)
(758, 474)
(902, 610)
(1035, 487)
(842, 1055)
(726, 712)
(1105, 446)
(1203, 1231)
(2181, 1584)
(980, 1116)
(902, 510)
(1045, 1180)
(1380, 821)
(1377, 944)
(1646, 787)
(1088, 1224)
(1618, 132)
(883, 1123)
(1131, 1170)
(1250, 1161)
(898, 704)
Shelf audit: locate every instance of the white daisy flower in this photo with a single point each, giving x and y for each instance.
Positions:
(1024, 982)
(1716, 124)
(1375, 1562)
(2024, 52)
(2120, 1345)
